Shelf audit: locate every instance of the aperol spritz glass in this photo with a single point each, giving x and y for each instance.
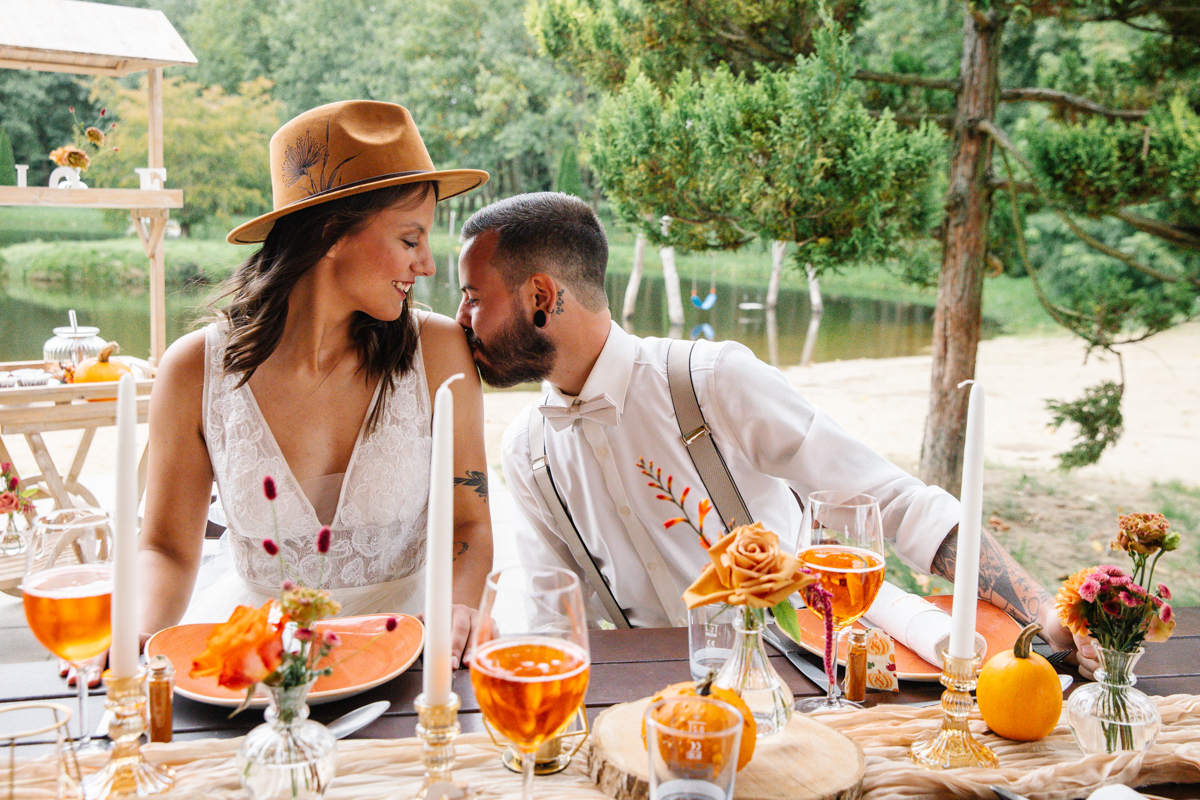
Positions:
(529, 656)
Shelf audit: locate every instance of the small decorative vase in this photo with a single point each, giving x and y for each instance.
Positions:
(289, 756)
(1110, 715)
(749, 673)
(12, 542)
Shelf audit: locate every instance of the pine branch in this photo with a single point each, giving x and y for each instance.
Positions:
(1162, 230)
(1001, 138)
(1067, 99)
(944, 121)
(900, 79)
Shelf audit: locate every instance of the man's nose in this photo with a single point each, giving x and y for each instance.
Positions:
(461, 316)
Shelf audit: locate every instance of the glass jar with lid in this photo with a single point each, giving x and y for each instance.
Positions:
(73, 345)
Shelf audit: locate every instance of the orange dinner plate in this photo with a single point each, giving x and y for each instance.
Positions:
(382, 658)
(999, 629)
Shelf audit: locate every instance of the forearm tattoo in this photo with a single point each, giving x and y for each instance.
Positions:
(1002, 581)
(477, 480)
(459, 549)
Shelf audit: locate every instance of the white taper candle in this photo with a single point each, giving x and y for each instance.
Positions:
(439, 578)
(123, 656)
(966, 562)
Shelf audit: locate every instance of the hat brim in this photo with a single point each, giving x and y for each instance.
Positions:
(451, 182)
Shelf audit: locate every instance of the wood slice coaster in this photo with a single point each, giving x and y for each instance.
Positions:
(805, 761)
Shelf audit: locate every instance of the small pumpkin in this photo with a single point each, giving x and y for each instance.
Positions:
(101, 368)
(705, 688)
(1019, 693)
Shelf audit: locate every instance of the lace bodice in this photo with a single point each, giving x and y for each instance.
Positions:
(379, 525)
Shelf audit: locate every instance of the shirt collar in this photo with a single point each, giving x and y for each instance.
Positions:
(610, 374)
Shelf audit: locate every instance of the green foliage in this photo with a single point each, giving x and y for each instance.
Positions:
(1098, 415)
(115, 264)
(792, 156)
(567, 180)
(34, 111)
(214, 145)
(609, 40)
(8, 170)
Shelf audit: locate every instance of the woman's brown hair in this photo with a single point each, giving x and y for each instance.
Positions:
(259, 288)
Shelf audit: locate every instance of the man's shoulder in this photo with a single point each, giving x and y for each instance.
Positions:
(515, 440)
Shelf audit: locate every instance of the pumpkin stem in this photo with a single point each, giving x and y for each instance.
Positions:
(704, 685)
(109, 349)
(1024, 640)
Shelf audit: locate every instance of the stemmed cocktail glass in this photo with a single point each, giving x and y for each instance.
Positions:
(67, 591)
(529, 656)
(841, 539)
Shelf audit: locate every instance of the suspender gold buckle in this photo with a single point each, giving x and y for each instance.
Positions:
(539, 463)
(696, 434)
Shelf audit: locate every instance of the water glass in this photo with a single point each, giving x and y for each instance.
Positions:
(710, 638)
(693, 745)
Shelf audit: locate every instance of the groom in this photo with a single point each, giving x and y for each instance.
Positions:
(534, 308)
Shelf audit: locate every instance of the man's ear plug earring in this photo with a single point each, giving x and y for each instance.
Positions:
(539, 318)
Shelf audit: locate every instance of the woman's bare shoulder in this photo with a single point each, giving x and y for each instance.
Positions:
(443, 335)
(183, 363)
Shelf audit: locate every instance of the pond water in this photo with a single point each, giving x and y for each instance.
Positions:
(850, 328)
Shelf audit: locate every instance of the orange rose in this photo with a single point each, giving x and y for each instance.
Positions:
(748, 569)
(242, 651)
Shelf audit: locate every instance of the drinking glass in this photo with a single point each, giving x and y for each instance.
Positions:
(710, 638)
(841, 539)
(693, 745)
(530, 665)
(67, 591)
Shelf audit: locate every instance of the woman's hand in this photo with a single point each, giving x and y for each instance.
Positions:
(462, 618)
(1060, 638)
(95, 667)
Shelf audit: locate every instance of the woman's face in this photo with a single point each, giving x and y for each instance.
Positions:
(375, 266)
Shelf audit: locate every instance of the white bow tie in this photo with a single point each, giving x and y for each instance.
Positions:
(599, 409)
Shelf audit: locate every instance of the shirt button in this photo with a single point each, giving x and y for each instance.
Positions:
(625, 511)
(654, 566)
(601, 452)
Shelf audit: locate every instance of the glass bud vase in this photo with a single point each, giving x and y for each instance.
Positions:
(1110, 715)
(288, 757)
(749, 673)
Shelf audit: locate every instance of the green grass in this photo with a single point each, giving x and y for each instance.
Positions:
(25, 223)
(115, 262)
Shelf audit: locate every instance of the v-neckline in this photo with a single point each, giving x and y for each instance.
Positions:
(337, 512)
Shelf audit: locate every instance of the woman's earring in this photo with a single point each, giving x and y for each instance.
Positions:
(539, 318)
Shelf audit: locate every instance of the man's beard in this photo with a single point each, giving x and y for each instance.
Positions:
(521, 353)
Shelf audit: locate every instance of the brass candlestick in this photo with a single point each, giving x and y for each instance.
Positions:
(127, 774)
(953, 745)
(438, 726)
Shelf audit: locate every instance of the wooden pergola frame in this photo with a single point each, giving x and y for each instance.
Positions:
(99, 39)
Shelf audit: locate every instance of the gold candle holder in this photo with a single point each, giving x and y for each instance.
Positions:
(127, 774)
(438, 726)
(953, 745)
(554, 755)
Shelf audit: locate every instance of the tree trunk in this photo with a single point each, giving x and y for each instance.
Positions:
(778, 248)
(814, 319)
(671, 281)
(960, 288)
(635, 277)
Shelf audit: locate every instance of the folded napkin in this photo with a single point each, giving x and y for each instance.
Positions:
(1116, 791)
(915, 622)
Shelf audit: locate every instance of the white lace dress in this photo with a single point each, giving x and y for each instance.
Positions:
(376, 559)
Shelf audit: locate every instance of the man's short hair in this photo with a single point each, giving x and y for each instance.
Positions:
(549, 232)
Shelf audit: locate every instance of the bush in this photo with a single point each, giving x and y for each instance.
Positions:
(116, 263)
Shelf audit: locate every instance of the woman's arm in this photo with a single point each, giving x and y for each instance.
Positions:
(444, 346)
(178, 488)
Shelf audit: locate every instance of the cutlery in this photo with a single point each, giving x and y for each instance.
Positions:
(359, 718)
(1007, 794)
(791, 651)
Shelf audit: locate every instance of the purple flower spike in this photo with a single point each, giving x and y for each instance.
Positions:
(269, 487)
(323, 540)
(270, 546)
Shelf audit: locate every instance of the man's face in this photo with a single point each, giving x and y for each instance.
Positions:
(508, 348)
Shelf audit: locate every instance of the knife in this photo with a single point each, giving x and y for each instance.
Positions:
(791, 651)
(359, 718)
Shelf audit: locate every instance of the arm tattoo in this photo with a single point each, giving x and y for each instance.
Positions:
(475, 479)
(1002, 581)
(558, 303)
(459, 549)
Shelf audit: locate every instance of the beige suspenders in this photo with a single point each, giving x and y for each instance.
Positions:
(697, 438)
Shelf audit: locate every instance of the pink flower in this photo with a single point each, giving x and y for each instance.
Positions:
(1162, 625)
(269, 487)
(1112, 607)
(270, 546)
(390, 624)
(1164, 592)
(1166, 613)
(303, 634)
(323, 540)
(1130, 600)
(1108, 569)
(332, 639)
(9, 502)
(288, 585)
(103, 111)
(14, 481)
(1089, 589)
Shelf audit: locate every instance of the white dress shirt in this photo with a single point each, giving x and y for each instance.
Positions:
(773, 441)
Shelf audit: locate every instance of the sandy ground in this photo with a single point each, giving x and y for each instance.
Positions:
(1052, 521)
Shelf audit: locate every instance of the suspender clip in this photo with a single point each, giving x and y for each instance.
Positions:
(539, 463)
(696, 434)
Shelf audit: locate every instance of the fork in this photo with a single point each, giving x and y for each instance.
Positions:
(1058, 656)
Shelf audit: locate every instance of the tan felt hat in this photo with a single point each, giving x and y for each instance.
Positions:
(344, 148)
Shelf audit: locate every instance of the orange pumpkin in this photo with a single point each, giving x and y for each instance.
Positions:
(704, 688)
(100, 368)
(1019, 693)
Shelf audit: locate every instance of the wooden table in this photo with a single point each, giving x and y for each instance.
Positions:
(626, 665)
